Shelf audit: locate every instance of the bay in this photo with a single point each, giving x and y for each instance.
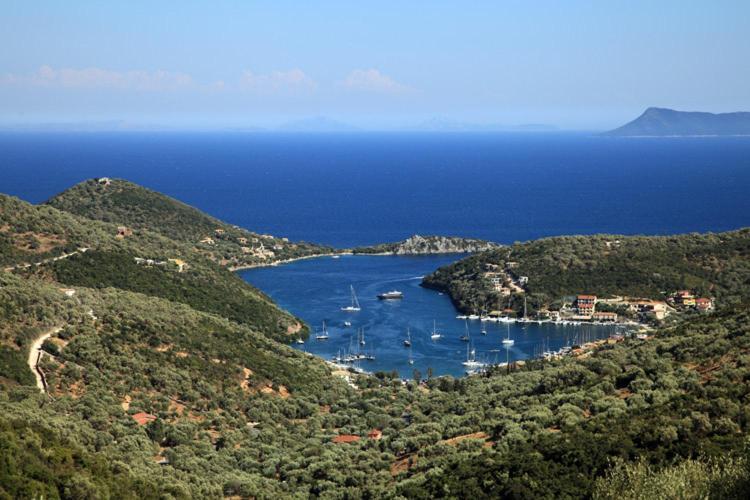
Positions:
(316, 289)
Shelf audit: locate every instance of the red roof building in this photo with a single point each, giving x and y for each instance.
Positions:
(375, 434)
(345, 438)
(143, 418)
(704, 304)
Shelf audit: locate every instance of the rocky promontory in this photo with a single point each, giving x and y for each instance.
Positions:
(425, 245)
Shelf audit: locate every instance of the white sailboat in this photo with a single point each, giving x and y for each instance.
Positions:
(435, 335)
(362, 337)
(323, 334)
(354, 307)
(507, 341)
(407, 342)
(471, 358)
(465, 337)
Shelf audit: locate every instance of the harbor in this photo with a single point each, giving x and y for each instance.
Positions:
(418, 333)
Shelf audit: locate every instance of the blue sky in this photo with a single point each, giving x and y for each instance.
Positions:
(574, 64)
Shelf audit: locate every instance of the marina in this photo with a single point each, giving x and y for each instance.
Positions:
(422, 331)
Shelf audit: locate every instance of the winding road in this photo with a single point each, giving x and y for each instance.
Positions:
(35, 356)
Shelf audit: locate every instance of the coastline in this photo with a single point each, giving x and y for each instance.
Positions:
(338, 254)
(286, 261)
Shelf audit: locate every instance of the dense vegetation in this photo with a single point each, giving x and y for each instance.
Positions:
(232, 412)
(545, 431)
(715, 265)
(124, 203)
(110, 262)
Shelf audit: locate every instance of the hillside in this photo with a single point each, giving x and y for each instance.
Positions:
(605, 265)
(126, 204)
(75, 251)
(668, 122)
(219, 397)
(168, 382)
(423, 245)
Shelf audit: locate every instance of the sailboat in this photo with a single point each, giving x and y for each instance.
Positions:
(465, 337)
(411, 360)
(507, 341)
(471, 358)
(525, 317)
(323, 334)
(300, 341)
(362, 337)
(407, 342)
(354, 307)
(435, 335)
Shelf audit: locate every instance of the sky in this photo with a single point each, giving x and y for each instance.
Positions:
(376, 65)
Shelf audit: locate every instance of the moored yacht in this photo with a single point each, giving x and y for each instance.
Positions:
(323, 334)
(392, 295)
(435, 334)
(354, 307)
(407, 342)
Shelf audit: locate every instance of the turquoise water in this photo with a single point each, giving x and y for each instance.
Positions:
(316, 289)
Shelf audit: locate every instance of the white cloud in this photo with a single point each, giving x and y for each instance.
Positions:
(47, 76)
(291, 80)
(372, 80)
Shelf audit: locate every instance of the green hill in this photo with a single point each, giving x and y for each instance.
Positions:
(640, 266)
(126, 204)
(31, 235)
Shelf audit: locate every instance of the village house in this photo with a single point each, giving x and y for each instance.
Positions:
(123, 232)
(585, 304)
(652, 309)
(604, 316)
(179, 264)
(242, 241)
(504, 291)
(547, 314)
(69, 292)
(523, 280)
(493, 277)
(208, 241)
(375, 434)
(219, 231)
(684, 298)
(104, 181)
(704, 304)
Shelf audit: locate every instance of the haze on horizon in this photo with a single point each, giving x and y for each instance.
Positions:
(379, 65)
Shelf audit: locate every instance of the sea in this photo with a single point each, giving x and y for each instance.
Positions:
(365, 188)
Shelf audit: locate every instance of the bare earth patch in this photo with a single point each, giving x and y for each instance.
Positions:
(475, 435)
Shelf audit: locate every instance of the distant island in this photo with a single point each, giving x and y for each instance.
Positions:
(663, 122)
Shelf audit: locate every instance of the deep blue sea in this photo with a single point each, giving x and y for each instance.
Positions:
(354, 189)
